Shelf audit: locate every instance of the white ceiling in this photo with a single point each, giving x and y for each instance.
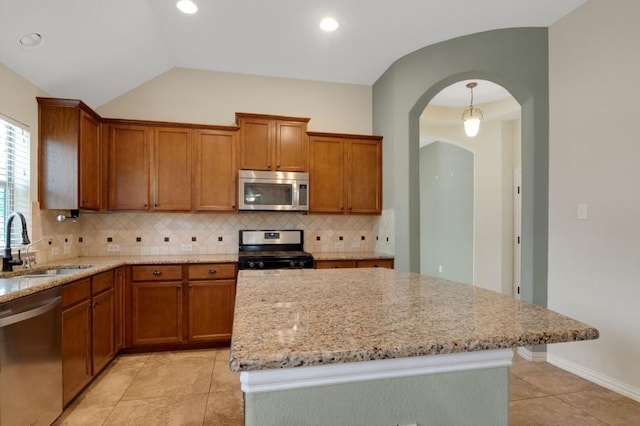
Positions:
(95, 50)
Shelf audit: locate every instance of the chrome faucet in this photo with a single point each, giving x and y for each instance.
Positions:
(27, 260)
(7, 260)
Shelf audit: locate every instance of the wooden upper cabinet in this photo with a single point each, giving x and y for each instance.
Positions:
(129, 160)
(273, 143)
(345, 173)
(214, 171)
(70, 155)
(326, 175)
(364, 181)
(172, 150)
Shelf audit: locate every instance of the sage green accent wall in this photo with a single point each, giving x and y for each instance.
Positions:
(446, 212)
(477, 398)
(515, 58)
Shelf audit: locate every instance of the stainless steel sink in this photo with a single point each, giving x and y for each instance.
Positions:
(52, 272)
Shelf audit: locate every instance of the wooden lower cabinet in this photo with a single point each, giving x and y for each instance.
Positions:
(179, 305)
(356, 263)
(76, 338)
(156, 309)
(212, 294)
(88, 331)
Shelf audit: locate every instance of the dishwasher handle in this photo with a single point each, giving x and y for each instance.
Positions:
(23, 316)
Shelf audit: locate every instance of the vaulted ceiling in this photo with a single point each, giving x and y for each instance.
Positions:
(95, 50)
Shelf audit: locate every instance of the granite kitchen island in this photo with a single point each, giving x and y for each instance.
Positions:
(377, 346)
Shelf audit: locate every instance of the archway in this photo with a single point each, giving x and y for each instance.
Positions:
(516, 59)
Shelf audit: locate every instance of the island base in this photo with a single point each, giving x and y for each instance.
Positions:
(454, 389)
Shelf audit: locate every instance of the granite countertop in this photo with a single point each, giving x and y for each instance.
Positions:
(294, 318)
(13, 285)
(342, 255)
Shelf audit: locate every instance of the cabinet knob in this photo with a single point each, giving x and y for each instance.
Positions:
(178, 286)
(145, 205)
(341, 208)
(278, 167)
(211, 271)
(155, 205)
(156, 273)
(268, 166)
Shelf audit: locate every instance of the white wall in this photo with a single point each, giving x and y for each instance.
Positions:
(594, 264)
(493, 150)
(209, 97)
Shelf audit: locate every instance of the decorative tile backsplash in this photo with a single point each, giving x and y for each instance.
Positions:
(136, 233)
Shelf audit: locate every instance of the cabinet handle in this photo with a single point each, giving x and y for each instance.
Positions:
(268, 166)
(155, 205)
(145, 205)
(96, 304)
(350, 208)
(341, 208)
(211, 271)
(278, 166)
(190, 286)
(156, 273)
(178, 286)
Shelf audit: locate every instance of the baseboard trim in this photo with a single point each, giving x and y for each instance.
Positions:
(532, 356)
(595, 377)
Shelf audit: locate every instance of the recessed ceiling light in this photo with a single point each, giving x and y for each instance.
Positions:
(31, 40)
(329, 24)
(187, 6)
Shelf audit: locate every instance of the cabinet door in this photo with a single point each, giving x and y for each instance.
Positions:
(211, 310)
(256, 143)
(334, 264)
(172, 169)
(90, 162)
(364, 177)
(291, 146)
(326, 175)
(76, 349)
(129, 167)
(375, 263)
(119, 308)
(156, 309)
(103, 326)
(215, 170)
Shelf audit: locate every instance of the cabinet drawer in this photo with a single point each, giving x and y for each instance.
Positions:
(101, 282)
(212, 271)
(375, 263)
(334, 264)
(156, 273)
(75, 292)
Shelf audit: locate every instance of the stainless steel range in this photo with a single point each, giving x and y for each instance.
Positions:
(273, 249)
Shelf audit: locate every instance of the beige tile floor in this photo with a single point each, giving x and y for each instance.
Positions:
(197, 388)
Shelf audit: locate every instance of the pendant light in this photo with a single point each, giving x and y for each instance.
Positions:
(471, 116)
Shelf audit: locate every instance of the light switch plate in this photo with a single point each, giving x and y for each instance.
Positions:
(582, 212)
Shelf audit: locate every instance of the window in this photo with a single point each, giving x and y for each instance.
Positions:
(15, 194)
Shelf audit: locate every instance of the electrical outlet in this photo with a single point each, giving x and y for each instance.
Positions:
(339, 245)
(186, 247)
(113, 247)
(355, 244)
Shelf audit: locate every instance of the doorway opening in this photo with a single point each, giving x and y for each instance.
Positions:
(469, 220)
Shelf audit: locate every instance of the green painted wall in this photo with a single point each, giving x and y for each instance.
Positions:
(516, 59)
(446, 212)
(478, 398)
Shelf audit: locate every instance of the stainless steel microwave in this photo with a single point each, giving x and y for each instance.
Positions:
(278, 191)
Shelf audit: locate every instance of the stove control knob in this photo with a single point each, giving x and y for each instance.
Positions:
(261, 265)
(252, 265)
(292, 263)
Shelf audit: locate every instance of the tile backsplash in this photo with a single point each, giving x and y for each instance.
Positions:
(136, 233)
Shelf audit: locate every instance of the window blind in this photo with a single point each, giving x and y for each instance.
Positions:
(15, 191)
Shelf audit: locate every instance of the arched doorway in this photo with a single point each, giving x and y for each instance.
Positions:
(467, 221)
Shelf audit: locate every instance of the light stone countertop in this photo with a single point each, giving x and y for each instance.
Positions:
(294, 318)
(13, 286)
(342, 255)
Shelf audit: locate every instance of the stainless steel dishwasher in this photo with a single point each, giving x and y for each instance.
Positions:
(31, 359)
